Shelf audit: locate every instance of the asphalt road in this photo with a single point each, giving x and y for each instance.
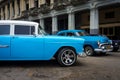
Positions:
(97, 67)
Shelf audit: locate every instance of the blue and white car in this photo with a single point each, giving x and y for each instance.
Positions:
(23, 40)
(93, 43)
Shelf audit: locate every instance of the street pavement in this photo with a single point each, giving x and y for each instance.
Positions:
(98, 67)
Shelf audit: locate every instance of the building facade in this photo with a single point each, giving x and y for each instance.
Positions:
(94, 16)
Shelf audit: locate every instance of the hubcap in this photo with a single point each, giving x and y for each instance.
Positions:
(88, 51)
(68, 57)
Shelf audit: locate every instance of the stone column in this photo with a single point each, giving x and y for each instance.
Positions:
(54, 24)
(42, 23)
(71, 21)
(71, 18)
(6, 12)
(94, 21)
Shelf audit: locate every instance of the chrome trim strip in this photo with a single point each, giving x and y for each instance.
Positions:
(4, 46)
(104, 44)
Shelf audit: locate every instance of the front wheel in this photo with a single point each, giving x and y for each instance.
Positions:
(89, 50)
(66, 57)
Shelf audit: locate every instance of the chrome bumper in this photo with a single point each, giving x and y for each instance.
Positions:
(104, 50)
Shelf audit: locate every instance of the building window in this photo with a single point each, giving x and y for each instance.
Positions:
(110, 15)
(111, 31)
(100, 30)
(88, 17)
(18, 4)
(13, 8)
(105, 31)
(36, 3)
(27, 4)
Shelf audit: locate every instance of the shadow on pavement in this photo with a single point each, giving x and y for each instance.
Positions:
(29, 63)
(109, 54)
(26, 64)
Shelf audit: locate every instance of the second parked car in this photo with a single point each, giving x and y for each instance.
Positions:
(115, 44)
(93, 43)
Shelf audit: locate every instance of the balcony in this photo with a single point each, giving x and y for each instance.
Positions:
(25, 13)
(59, 5)
(34, 11)
(76, 2)
(44, 8)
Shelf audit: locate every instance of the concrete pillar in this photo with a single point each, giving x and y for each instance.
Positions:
(1, 13)
(94, 21)
(11, 11)
(15, 9)
(22, 5)
(39, 3)
(2, 16)
(31, 3)
(54, 24)
(42, 23)
(71, 21)
(6, 12)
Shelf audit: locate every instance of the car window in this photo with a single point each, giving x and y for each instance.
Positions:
(4, 29)
(24, 30)
(70, 34)
(82, 33)
(61, 34)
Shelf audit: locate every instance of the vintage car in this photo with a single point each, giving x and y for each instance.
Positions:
(23, 40)
(115, 44)
(93, 43)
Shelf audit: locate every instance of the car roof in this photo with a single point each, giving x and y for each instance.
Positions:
(18, 22)
(69, 31)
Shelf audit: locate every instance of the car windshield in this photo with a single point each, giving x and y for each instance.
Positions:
(82, 33)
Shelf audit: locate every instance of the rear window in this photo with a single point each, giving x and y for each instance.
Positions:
(24, 30)
(4, 29)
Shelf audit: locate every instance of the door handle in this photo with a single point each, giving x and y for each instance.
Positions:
(4, 46)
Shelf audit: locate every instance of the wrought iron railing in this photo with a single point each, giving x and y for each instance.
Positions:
(34, 11)
(25, 13)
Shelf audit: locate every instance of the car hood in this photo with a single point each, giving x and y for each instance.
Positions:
(102, 39)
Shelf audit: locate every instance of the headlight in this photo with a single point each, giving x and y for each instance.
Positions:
(103, 47)
(116, 43)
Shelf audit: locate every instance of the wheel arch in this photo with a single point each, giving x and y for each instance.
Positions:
(88, 45)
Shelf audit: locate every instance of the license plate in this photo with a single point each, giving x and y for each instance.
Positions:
(108, 46)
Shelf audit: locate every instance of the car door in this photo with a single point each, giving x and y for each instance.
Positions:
(5, 39)
(25, 44)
